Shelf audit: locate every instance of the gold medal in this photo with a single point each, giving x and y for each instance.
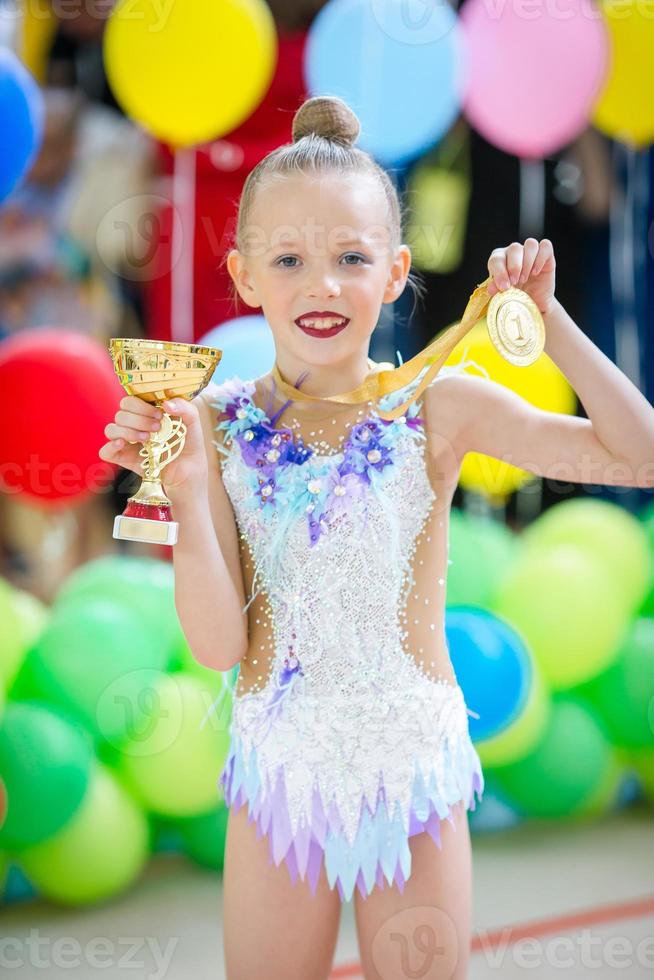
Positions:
(515, 325)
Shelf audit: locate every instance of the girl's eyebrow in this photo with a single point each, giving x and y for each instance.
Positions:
(341, 243)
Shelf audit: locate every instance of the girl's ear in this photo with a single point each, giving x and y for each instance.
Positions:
(242, 278)
(398, 275)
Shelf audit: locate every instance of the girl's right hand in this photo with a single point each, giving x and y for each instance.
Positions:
(135, 420)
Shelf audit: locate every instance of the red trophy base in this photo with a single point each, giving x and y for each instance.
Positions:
(150, 523)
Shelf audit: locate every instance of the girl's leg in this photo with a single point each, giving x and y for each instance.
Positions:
(424, 932)
(272, 927)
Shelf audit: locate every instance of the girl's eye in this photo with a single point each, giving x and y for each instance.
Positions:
(284, 259)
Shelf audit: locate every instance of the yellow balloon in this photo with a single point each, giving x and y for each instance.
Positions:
(541, 384)
(191, 70)
(625, 106)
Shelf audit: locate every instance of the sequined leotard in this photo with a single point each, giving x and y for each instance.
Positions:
(349, 732)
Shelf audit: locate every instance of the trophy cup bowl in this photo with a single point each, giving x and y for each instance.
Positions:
(156, 370)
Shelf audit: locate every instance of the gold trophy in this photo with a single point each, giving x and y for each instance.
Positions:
(156, 370)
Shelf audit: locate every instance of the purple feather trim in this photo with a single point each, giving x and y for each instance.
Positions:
(380, 852)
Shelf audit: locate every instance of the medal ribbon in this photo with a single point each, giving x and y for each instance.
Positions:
(382, 382)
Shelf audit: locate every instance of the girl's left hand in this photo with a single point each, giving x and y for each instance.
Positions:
(530, 267)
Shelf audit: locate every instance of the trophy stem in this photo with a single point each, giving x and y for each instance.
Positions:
(148, 515)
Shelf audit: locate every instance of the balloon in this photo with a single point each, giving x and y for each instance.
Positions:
(121, 657)
(217, 685)
(566, 606)
(647, 518)
(17, 887)
(192, 73)
(247, 345)
(3, 801)
(143, 584)
(493, 813)
(624, 108)
(63, 390)
(203, 837)
(573, 772)
(542, 384)
(176, 742)
(22, 113)
(623, 695)
(606, 532)
(12, 635)
(409, 93)
(45, 763)
(440, 195)
(480, 550)
(642, 761)
(497, 675)
(99, 853)
(553, 66)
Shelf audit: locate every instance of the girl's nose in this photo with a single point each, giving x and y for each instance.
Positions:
(324, 286)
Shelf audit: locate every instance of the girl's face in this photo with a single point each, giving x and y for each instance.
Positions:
(320, 245)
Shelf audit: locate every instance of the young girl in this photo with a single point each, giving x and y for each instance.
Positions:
(350, 759)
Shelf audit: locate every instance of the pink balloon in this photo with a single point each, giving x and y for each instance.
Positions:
(534, 71)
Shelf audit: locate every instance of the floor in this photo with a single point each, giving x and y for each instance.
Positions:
(550, 900)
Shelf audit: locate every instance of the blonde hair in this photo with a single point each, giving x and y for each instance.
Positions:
(324, 131)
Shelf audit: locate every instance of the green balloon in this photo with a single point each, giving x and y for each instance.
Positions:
(138, 582)
(99, 853)
(173, 764)
(481, 550)
(96, 658)
(45, 763)
(13, 639)
(565, 604)
(623, 695)
(608, 533)
(646, 516)
(33, 615)
(642, 761)
(574, 771)
(218, 685)
(203, 838)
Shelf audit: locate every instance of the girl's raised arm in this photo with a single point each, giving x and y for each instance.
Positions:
(613, 446)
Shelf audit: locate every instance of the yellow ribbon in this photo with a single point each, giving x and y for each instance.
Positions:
(382, 382)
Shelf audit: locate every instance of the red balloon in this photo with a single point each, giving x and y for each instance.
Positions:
(59, 390)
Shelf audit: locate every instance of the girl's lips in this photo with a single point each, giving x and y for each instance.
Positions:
(312, 332)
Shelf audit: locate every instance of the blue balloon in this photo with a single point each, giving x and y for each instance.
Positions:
(398, 63)
(493, 813)
(18, 887)
(492, 665)
(247, 346)
(21, 117)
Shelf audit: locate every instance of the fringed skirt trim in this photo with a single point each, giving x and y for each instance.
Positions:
(380, 851)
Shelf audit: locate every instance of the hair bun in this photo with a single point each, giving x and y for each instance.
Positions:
(326, 116)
